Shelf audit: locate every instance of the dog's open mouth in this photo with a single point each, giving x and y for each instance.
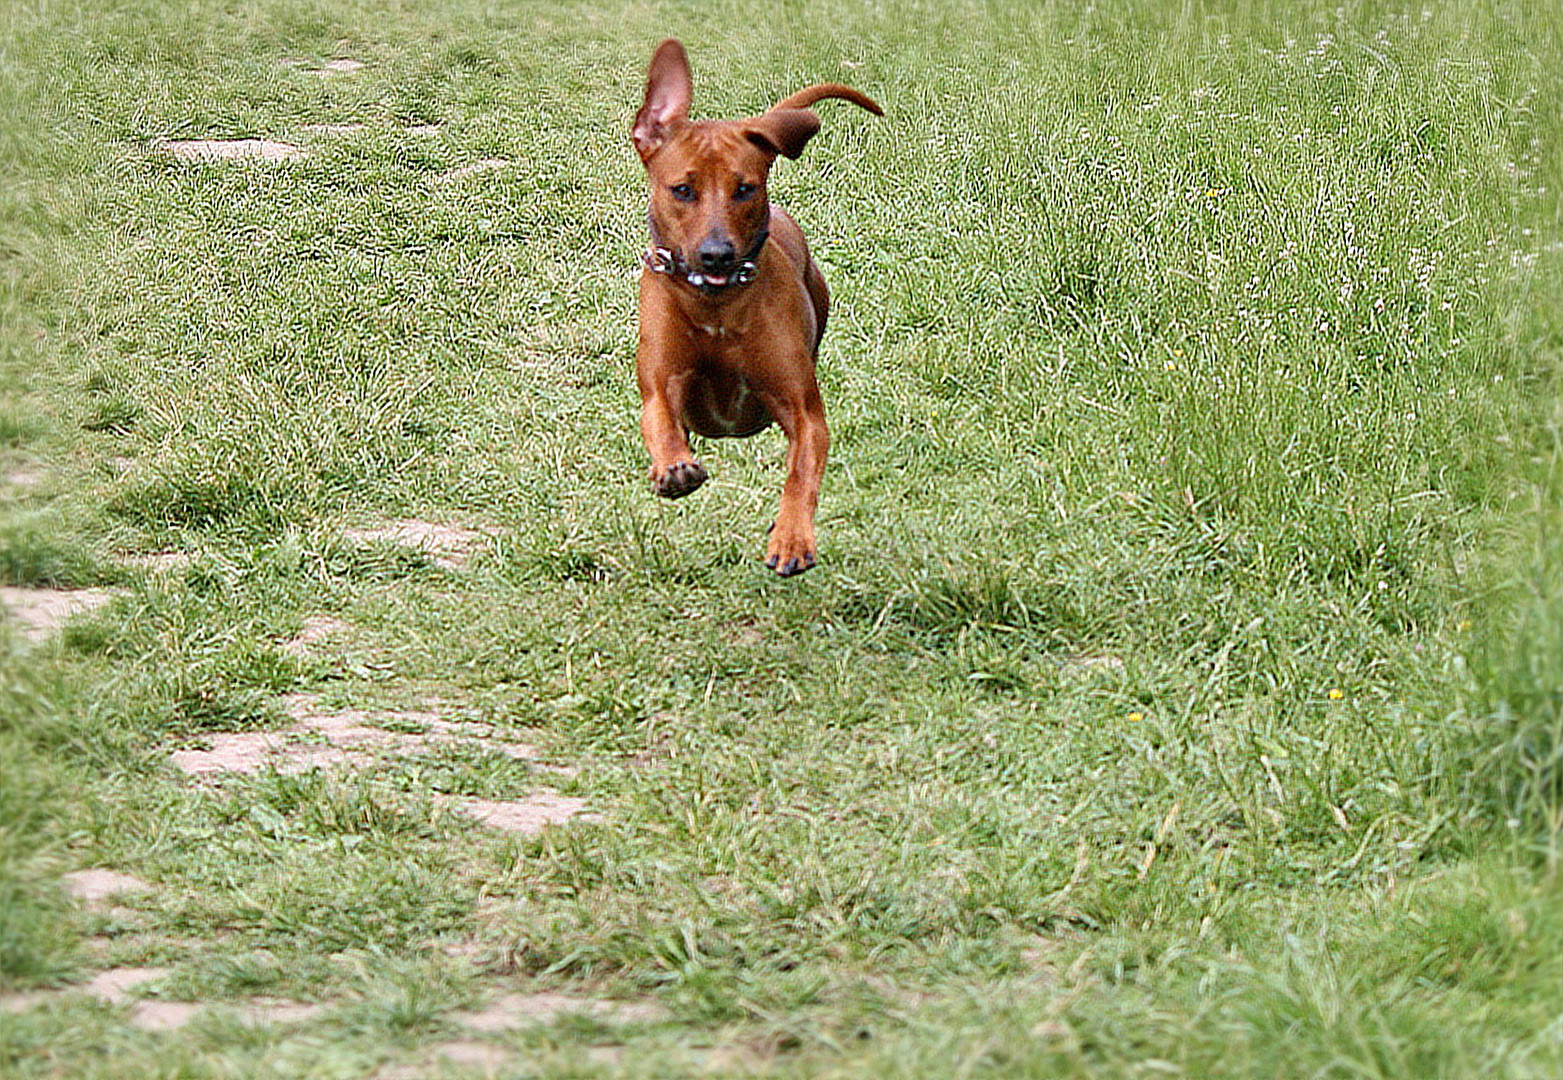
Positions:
(661, 260)
(741, 274)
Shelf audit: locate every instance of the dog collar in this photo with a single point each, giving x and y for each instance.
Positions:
(661, 260)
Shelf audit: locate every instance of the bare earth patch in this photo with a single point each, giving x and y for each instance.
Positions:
(516, 1011)
(252, 751)
(95, 886)
(447, 546)
(473, 1054)
(353, 739)
(528, 816)
(511, 1011)
(230, 149)
(487, 1058)
(348, 737)
(21, 476)
(116, 985)
(462, 172)
(43, 611)
(171, 1015)
(317, 630)
(112, 986)
(340, 65)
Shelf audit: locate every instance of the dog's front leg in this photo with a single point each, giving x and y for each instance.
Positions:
(674, 470)
(802, 418)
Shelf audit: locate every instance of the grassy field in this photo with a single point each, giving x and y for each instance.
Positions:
(1181, 689)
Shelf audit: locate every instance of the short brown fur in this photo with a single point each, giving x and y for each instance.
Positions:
(732, 307)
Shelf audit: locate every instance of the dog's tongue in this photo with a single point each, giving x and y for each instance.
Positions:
(718, 280)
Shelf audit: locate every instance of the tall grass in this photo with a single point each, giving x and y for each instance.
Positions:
(36, 945)
(1187, 632)
(1517, 704)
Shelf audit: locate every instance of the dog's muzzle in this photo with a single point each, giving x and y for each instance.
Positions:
(661, 260)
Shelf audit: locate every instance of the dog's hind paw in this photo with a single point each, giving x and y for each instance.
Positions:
(678, 479)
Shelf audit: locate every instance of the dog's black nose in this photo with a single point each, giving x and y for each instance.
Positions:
(716, 255)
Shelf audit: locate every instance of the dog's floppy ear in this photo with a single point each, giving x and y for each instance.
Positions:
(668, 89)
(782, 131)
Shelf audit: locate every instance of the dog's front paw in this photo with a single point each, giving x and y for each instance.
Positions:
(790, 552)
(678, 479)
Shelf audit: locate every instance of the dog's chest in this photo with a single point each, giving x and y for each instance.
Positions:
(720, 403)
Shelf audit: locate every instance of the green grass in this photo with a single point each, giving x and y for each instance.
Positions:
(1178, 694)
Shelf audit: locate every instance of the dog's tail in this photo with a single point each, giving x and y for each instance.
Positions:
(820, 91)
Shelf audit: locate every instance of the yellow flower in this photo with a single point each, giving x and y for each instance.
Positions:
(1136, 717)
(1336, 693)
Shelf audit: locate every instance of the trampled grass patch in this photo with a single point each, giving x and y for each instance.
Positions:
(1177, 693)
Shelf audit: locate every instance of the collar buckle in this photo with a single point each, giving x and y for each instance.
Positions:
(659, 260)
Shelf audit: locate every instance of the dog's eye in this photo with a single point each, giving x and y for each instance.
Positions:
(744, 191)
(683, 192)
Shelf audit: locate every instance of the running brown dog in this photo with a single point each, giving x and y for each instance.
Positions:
(732, 308)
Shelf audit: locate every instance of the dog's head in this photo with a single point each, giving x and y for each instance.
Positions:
(709, 205)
